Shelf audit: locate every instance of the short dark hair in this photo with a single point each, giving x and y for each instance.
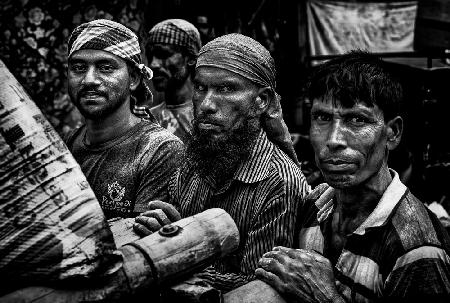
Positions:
(357, 77)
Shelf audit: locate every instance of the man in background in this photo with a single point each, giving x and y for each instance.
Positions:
(171, 50)
(126, 160)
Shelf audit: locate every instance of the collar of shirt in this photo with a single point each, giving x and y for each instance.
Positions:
(391, 197)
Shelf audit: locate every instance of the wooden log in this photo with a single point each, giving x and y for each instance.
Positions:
(189, 244)
(122, 230)
(256, 291)
(161, 257)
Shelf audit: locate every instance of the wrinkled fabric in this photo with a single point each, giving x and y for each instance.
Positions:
(176, 32)
(112, 37)
(248, 58)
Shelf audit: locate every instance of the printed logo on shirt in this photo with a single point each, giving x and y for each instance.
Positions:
(113, 201)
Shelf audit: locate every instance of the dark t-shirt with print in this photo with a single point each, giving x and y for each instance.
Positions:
(129, 171)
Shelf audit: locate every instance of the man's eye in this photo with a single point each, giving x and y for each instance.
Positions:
(321, 117)
(225, 89)
(106, 68)
(161, 54)
(357, 120)
(199, 87)
(78, 68)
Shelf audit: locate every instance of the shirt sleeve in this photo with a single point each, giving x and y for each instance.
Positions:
(156, 174)
(422, 273)
(273, 226)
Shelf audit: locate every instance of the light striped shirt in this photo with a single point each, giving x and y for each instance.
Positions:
(263, 198)
(399, 253)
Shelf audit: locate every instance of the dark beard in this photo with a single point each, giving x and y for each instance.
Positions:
(220, 158)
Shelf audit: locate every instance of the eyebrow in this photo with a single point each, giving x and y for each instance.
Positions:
(95, 61)
(344, 111)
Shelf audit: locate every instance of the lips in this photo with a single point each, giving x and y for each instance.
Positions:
(91, 95)
(208, 124)
(337, 164)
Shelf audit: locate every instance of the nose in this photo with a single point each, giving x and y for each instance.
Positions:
(155, 63)
(336, 136)
(207, 103)
(90, 77)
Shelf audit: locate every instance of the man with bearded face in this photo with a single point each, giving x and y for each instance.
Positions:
(364, 237)
(171, 49)
(127, 161)
(239, 158)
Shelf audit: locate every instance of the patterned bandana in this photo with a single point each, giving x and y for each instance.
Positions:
(176, 32)
(248, 58)
(115, 38)
(111, 37)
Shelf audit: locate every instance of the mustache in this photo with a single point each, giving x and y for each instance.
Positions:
(336, 159)
(91, 90)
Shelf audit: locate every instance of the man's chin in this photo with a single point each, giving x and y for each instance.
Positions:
(339, 181)
(93, 114)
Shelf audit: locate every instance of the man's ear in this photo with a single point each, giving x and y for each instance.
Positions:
(394, 132)
(263, 98)
(135, 79)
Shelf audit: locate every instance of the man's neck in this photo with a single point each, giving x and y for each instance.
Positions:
(180, 94)
(106, 129)
(358, 202)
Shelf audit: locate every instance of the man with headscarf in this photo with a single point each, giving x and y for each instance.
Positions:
(171, 50)
(237, 157)
(127, 161)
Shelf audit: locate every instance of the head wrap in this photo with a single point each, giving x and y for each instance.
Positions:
(176, 32)
(111, 37)
(248, 58)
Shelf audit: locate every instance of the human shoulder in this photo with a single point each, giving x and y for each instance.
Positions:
(415, 224)
(153, 133)
(156, 142)
(288, 173)
(71, 136)
(421, 267)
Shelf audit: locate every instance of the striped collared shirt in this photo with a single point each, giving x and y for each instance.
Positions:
(400, 251)
(263, 198)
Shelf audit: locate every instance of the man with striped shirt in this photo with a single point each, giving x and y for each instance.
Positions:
(364, 236)
(238, 158)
